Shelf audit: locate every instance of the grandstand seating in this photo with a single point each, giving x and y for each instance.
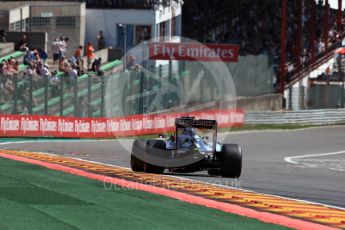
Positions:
(15, 105)
(6, 48)
(17, 55)
(53, 103)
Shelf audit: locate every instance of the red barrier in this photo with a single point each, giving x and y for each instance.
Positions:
(51, 126)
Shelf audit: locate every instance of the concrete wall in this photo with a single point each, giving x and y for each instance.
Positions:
(269, 102)
(20, 13)
(4, 20)
(76, 34)
(12, 12)
(108, 19)
(6, 48)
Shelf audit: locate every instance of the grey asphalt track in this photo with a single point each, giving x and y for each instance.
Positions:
(313, 178)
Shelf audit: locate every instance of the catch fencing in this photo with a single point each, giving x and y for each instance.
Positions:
(308, 117)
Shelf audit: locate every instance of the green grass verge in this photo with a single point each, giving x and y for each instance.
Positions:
(33, 197)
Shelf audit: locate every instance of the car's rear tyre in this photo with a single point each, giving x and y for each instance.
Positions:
(137, 165)
(154, 147)
(231, 161)
(141, 151)
(138, 151)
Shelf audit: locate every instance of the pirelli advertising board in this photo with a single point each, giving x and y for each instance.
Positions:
(51, 126)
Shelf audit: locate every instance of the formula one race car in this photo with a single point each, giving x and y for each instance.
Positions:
(192, 148)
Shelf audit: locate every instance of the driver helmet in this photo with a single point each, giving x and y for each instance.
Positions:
(189, 132)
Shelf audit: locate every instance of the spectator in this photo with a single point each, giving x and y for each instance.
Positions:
(77, 59)
(16, 65)
(100, 40)
(55, 50)
(8, 89)
(3, 35)
(2, 68)
(89, 54)
(23, 43)
(54, 81)
(42, 55)
(66, 39)
(44, 71)
(84, 107)
(30, 58)
(37, 55)
(64, 66)
(62, 47)
(130, 62)
(30, 71)
(321, 46)
(73, 75)
(8, 69)
(24, 95)
(96, 66)
(254, 26)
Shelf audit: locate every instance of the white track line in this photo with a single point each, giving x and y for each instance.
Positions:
(292, 161)
(197, 181)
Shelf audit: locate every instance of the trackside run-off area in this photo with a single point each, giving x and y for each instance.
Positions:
(35, 197)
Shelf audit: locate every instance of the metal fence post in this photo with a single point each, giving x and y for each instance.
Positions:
(89, 96)
(141, 93)
(15, 95)
(290, 102)
(75, 92)
(102, 95)
(45, 95)
(160, 72)
(170, 71)
(1, 97)
(61, 95)
(30, 95)
(342, 91)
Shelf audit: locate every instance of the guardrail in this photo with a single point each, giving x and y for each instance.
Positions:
(310, 117)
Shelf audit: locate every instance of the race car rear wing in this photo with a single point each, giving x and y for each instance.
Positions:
(192, 122)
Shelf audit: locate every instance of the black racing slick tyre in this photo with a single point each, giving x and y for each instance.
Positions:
(140, 156)
(137, 165)
(154, 148)
(231, 161)
(138, 151)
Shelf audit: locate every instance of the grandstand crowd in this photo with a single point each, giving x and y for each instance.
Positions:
(33, 67)
(255, 26)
